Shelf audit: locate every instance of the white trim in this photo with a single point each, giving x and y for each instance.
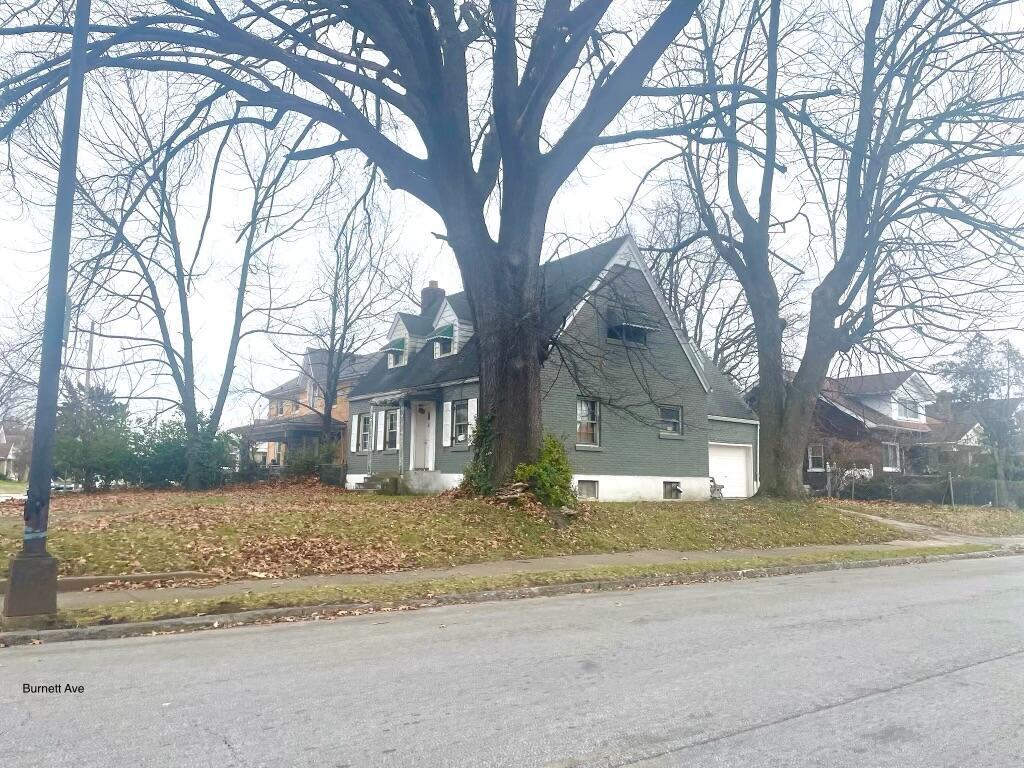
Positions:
(446, 424)
(899, 458)
(810, 466)
(472, 418)
(734, 420)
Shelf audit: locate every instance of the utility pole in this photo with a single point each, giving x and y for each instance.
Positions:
(32, 582)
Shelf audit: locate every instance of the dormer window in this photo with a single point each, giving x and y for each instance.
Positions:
(395, 353)
(444, 341)
(629, 327)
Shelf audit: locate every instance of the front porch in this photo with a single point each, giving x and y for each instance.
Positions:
(296, 435)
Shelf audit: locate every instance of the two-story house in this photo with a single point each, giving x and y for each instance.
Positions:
(873, 421)
(294, 419)
(643, 414)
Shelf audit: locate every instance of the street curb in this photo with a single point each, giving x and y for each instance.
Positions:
(328, 611)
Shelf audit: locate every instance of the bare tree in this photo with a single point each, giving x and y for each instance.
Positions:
(141, 264)
(480, 111)
(359, 279)
(700, 287)
(891, 139)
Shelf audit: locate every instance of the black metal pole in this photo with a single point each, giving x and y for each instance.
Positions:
(33, 579)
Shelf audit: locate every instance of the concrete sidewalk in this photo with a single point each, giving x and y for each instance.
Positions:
(938, 534)
(71, 600)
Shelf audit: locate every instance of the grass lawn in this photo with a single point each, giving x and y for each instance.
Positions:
(979, 521)
(306, 529)
(11, 486)
(391, 593)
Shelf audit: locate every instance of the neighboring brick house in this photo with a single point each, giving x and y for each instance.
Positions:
(294, 421)
(15, 451)
(642, 413)
(873, 421)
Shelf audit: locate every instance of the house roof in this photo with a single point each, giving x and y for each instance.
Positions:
(564, 282)
(316, 359)
(836, 393)
(417, 325)
(725, 399)
(872, 383)
(966, 416)
(5, 450)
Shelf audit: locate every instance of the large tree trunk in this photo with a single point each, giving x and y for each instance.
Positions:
(503, 283)
(786, 407)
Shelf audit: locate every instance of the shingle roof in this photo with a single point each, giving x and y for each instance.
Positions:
(418, 325)
(834, 391)
(872, 383)
(724, 399)
(354, 366)
(564, 282)
(966, 416)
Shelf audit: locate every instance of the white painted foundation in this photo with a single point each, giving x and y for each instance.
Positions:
(645, 487)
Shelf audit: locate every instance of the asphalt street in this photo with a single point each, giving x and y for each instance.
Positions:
(903, 666)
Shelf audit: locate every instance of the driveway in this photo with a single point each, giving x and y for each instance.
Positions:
(910, 666)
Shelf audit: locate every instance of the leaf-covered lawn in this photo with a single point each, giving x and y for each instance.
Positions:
(978, 521)
(306, 529)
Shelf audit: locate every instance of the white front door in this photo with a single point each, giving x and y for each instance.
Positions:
(422, 437)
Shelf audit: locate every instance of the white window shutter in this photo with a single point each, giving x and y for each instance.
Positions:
(379, 416)
(472, 417)
(446, 425)
(398, 427)
(353, 426)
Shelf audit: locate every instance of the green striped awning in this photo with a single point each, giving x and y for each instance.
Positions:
(396, 345)
(444, 332)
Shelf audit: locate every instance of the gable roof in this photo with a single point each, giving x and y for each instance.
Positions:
(725, 398)
(835, 393)
(966, 416)
(565, 283)
(872, 383)
(316, 362)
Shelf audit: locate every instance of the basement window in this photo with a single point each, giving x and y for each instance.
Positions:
(586, 489)
(670, 489)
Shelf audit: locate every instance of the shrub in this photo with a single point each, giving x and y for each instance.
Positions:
(476, 478)
(550, 477)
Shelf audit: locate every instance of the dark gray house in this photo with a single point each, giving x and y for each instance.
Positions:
(643, 414)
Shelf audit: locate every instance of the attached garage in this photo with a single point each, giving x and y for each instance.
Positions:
(732, 466)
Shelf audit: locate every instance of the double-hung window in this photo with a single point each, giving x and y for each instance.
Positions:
(815, 457)
(670, 419)
(908, 410)
(365, 432)
(460, 422)
(390, 430)
(588, 421)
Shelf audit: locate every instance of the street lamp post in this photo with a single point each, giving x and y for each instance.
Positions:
(32, 581)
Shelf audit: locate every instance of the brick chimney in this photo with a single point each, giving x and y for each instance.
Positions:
(943, 407)
(430, 299)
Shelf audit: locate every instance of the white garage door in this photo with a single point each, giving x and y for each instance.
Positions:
(731, 466)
